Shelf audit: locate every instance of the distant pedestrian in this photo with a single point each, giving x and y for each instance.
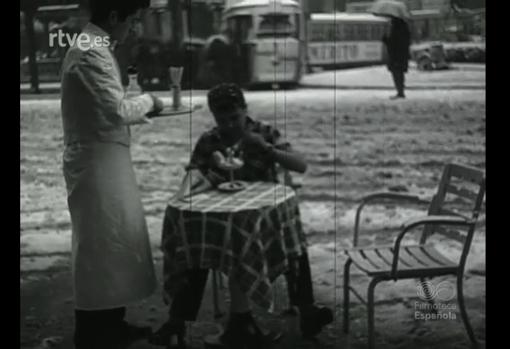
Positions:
(217, 61)
(397, 44)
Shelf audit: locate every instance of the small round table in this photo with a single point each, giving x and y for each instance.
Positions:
(249, 235)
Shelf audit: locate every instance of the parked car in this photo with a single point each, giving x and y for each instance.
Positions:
(471, 52)
(429, 56)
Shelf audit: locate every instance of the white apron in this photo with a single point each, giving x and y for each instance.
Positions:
(111, 256)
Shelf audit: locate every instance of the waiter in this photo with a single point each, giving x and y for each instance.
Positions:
(112, 264)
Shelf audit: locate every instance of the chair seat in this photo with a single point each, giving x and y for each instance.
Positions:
(414, 261)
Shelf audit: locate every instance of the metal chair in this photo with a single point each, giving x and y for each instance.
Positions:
(397, 261)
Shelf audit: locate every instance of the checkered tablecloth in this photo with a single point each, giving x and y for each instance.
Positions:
(248, 235)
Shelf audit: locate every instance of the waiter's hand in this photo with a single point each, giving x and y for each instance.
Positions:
(157, 107)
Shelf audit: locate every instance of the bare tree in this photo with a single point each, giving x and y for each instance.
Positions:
(29, 8)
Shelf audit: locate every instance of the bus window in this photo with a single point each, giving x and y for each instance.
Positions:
(276, 25)
(297, 22)
(370, 31)
(202, 21)
(320, 32)
(349, 32)
(374, 32)
(331, 32)
(363, 31)
(355, 32)
(240, 28)
(315, 32)
(339, 32)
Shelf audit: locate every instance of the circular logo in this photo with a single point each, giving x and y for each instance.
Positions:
(444, 291)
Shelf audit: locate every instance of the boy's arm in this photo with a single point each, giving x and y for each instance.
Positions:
(201, 160)
(279, 153)
(288, 159)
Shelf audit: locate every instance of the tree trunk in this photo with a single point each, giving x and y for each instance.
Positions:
(32, 49)
(176, 10)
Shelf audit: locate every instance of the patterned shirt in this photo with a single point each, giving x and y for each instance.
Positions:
(257, 165)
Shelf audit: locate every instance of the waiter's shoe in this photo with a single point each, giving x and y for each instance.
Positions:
(166, 333)
(313, 319)
(129, 334)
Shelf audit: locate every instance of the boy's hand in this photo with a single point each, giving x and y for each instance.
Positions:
(256, 141)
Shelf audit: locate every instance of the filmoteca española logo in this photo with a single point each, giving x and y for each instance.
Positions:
(435, 303)
(443, 291)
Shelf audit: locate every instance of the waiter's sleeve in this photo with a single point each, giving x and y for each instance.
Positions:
(98, 74)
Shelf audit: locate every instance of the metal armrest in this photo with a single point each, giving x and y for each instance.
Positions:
(383, 196)
(415, 222)
(439, 220)
(393, 196)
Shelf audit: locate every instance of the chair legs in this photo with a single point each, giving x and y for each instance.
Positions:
(371, 305)
(463, 312)
(347, 268)
(370, 309)
(215, 275)
(222, 284)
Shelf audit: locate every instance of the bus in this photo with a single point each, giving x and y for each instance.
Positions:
(267, 37)
(337, 40)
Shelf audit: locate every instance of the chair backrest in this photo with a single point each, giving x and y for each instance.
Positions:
(461, 189)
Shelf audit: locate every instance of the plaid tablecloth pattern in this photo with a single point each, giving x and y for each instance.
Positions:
(248, 234)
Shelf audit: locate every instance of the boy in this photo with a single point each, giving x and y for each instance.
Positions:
(261, 149)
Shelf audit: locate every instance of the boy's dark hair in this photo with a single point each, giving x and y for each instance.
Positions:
(101, 9)
(225, 97)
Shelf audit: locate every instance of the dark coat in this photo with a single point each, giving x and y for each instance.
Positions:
(397, 45)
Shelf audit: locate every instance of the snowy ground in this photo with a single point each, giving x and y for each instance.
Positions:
(356, 142)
